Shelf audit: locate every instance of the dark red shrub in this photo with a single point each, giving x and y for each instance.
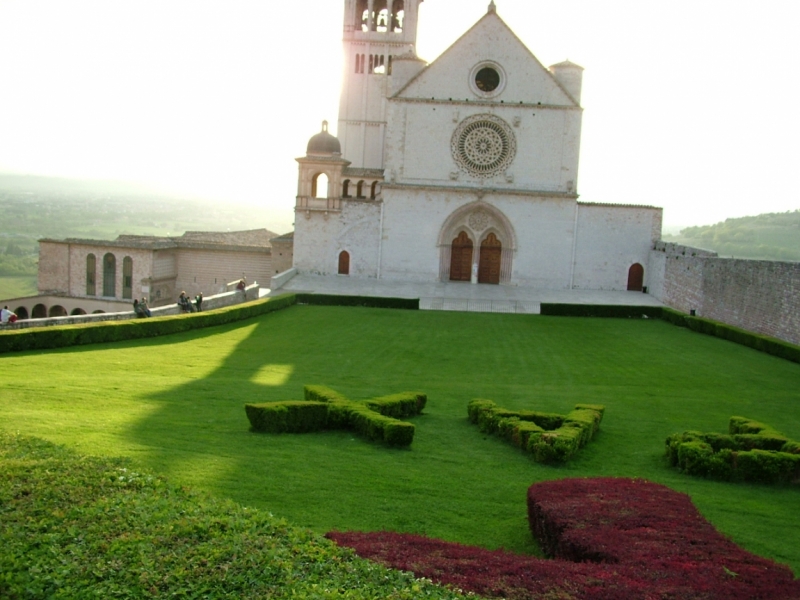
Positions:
(612, 538)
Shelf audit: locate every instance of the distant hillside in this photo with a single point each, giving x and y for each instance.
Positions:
(771, 236)
(47, 207)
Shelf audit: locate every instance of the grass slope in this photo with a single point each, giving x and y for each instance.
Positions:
(17, 286)
(76, 527)
(176, 405)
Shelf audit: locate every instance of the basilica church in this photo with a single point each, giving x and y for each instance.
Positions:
(464, 169)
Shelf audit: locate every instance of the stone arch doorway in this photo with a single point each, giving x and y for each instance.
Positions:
(489, 263)
(477, 221)
(344, 262)
(461, 258)
(635, 278)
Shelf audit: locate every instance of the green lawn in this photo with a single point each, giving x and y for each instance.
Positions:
(176, 405)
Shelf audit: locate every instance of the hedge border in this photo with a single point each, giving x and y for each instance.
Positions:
(756, 341)
(368, 301)
(61, 336)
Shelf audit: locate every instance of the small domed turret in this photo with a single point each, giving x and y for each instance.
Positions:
(323, 143)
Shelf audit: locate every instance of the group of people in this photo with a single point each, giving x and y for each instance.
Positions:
(141, 309)
(186, 305)
(6, 316)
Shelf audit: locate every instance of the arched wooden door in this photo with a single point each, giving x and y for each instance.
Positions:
(635, 278)
(489, 264)
(461, 258)
(344, 263)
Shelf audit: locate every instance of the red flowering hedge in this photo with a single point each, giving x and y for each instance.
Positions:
(612, 538)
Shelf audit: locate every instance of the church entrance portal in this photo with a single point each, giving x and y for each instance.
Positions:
(461, 258)
(489, 264)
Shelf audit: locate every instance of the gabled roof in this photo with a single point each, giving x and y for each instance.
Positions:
(489, 39)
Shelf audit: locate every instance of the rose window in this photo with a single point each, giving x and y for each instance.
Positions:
(483, 145)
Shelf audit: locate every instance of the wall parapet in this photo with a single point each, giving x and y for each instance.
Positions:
(761, 296)
(221, 300)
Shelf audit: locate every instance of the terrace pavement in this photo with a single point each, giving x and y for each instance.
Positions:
(461, 296)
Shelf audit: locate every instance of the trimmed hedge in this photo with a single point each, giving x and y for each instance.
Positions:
(549, 437)
(61, 336)
(325, 408)
(752, 451)
(370, 301)
(619, 311)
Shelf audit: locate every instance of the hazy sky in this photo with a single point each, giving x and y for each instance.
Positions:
(685, 101)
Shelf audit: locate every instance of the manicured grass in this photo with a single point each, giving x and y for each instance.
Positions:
(176, 405)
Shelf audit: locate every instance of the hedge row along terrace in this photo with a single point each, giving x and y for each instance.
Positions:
(751, 451)
(612, 538)
(377, 419)
(549, 437)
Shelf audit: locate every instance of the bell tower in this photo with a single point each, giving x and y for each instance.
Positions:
(375, 32)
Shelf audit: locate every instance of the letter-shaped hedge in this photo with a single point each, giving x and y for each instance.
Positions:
(376, 419)
(751, 451)
(549, 437)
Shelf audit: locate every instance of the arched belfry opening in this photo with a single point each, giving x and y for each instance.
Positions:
(477, 243)
(319, 186)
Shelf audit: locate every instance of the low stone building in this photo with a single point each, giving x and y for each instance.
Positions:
(84, 276)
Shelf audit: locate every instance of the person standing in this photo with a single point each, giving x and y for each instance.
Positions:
(198, 301)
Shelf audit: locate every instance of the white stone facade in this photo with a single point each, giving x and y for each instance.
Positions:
(462, 170)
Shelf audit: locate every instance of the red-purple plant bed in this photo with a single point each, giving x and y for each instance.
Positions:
(631, 539)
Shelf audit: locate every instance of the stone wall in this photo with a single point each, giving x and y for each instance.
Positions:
(756, 295)
(125, 310)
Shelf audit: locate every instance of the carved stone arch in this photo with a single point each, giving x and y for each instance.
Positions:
(498, 222)
(478, 219)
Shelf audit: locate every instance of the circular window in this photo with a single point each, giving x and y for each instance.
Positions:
(487, 79)
(483, 145)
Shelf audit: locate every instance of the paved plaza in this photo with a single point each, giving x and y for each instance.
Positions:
(460, 296)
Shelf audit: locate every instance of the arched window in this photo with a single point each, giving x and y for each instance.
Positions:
(360, 189)
(77, 311)
(373, 190)
(319, 186)
(21, 312)
(39, 311)
(346, 189)
(91, 275)
(127, 277)
(109, 275)
(344, 263)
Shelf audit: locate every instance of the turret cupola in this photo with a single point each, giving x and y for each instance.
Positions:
(324, 144)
